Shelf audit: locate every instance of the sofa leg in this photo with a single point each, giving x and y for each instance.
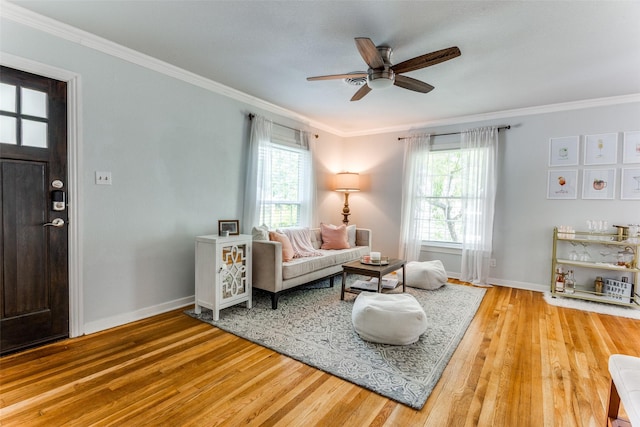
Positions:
(274, 300)
(331, 281)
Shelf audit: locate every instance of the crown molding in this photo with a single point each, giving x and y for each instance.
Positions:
(42, 23)
(67, 32)
(498, 115)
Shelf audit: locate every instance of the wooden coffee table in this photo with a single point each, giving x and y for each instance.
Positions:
(356, 267)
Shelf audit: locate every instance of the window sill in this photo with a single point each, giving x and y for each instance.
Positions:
(441, 247)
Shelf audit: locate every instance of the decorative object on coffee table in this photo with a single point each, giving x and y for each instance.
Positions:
(347, 182)
(357, 267)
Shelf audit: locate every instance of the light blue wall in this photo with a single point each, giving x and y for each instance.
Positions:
(524, 217)
(176, 153)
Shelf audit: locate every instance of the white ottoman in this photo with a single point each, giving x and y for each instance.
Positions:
(396, 319)
(625, 387)
(424, 274)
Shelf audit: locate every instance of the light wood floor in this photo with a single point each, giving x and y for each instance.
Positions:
(521, 363)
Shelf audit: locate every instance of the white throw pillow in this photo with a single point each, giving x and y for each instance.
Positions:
(351, 235)
(424, 275)
(260, 232)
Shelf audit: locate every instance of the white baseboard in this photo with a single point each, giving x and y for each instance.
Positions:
(124, 318)
(536, 287)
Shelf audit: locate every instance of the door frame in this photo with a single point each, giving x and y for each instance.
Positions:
(74, 184)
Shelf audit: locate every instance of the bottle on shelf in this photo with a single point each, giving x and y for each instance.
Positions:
(598, 285)
(570, 283)
(559, 280)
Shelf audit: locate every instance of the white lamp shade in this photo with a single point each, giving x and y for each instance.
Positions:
(347, 182)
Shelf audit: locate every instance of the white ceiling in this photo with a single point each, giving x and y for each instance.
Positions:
(515, 54)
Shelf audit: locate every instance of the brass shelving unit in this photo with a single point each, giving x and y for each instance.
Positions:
(586, 290)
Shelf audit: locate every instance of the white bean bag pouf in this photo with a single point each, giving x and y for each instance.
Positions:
(396, 319)
(424, 274)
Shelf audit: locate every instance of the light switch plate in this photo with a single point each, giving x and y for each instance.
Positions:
(103, 178)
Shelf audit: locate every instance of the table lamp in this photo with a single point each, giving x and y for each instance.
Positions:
(347, 182)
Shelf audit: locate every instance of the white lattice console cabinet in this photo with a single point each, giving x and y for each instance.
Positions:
(223, 272)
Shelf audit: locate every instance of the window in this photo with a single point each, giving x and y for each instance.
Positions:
(286, 193)
(440, 219)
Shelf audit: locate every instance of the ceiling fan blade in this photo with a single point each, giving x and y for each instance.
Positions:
(369, 52)
(426, 60)
(339, 76)
(365, 89)
(413, 84)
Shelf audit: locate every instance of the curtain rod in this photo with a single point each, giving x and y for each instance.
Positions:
(251, 116)
(454, 133)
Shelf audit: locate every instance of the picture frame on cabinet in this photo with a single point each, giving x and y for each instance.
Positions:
(601, 149)
(563, 151)
(562, 184)
(630, 187)
(230, 225)
(631, 147)
(598, 183)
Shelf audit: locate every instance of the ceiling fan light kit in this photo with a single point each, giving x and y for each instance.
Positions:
(382, 74)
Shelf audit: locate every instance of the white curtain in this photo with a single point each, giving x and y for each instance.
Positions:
(479, 150)
(257, 180)
(416, 156)
(308, 182)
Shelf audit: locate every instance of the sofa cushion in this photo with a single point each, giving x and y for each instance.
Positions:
(287, 249)
(260, 232)
(334, 237)
(351, 235)
(301, 266)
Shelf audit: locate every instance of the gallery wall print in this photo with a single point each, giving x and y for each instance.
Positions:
(601, 149)
(598, 183)
(563, 151)
(631, 147)
(630, 188)
(562, 184)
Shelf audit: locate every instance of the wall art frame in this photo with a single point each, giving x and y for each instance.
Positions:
(598, 184)
(230, 225)
(562, 184)
(631, 147)
(601, 149)
(563, 151)
(630, 184)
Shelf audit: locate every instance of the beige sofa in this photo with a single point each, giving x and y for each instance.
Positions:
(274, 276)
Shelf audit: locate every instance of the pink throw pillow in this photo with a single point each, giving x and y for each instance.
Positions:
(334, 237)
(287, 249)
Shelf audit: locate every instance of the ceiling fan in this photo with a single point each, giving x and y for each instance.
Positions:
(382, 73)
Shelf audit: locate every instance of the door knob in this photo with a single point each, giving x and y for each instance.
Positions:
(57, 222)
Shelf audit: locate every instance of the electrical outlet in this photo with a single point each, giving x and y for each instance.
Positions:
(103, 178)
(492, 262)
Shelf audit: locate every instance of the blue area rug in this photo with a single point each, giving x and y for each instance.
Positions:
(314, 326)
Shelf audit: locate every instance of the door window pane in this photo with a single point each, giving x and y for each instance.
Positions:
(7, 130)
(34, 134)
(34, 103)
(7, 97)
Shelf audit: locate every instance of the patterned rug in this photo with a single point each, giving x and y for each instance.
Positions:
(314, 326)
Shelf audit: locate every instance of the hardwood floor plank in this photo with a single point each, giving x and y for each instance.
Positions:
(521, 362)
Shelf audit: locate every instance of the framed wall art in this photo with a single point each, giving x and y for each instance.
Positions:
(631, 147)
(598, 183)
(630, 188)
(563, 151)
(232, 226)
(601, 149)
(562, 184)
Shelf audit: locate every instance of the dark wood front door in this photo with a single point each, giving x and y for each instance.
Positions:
(34, 288)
